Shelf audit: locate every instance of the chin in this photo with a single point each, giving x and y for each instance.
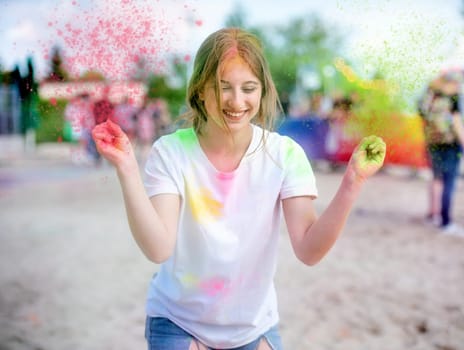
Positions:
(238, 124)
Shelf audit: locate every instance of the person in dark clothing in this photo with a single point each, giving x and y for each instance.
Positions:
(444, 137)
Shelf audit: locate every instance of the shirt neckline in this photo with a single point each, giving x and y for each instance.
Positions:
(251, 147)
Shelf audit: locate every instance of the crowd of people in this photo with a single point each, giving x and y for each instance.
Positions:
(142, 124)
(441, 108)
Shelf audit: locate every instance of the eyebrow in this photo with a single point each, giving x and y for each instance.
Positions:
(245, 83)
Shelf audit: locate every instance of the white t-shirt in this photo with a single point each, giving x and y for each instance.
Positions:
(218, 284)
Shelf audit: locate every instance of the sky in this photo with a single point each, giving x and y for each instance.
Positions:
(412, 37)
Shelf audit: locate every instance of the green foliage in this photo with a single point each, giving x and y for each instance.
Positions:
(170, 87)
(51, 121)
(304, 41)
(308, 42)
(237, 18)
(158, 87)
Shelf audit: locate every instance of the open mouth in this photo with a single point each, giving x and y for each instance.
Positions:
(234, 115)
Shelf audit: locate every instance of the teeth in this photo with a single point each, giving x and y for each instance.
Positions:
(235, 115)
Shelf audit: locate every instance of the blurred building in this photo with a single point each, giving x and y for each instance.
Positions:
(117, 92)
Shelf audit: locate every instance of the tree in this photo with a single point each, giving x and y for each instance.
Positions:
(171, 85)
(57, 71)
(237, 18)
(304, 41)
(291, 48)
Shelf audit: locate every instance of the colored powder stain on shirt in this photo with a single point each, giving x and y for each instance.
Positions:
(189, 280)
(300, 168)
(204, 206)
(214, 286)
(187, 137)
(225, 181)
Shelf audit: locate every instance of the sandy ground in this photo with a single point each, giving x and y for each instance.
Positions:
(71, 276)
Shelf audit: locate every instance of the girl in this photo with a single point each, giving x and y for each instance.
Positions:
(210, 206)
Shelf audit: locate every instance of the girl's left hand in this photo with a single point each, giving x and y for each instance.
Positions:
(368, 157)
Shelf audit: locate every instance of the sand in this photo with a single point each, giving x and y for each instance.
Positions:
(71, 277)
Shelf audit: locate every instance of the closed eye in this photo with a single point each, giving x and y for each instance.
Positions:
(249, 90)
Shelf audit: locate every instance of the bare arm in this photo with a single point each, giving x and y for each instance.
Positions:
(458, 127)
(153, 223)
(313, 237)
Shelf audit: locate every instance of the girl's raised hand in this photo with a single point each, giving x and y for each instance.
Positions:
(368, 157)
(113, 144)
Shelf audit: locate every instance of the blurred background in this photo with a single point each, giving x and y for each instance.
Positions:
(71, 275)
(371, 58)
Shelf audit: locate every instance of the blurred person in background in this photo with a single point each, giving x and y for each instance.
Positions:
(79, 122)
(340, 139)
(319, 105)
(125, 115)
(103, 108)
(444, 136)
(163, 123)
(145, 127)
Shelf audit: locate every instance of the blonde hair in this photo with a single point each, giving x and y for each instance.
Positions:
(217, 48)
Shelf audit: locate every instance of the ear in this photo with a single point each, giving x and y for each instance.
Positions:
(201, 95)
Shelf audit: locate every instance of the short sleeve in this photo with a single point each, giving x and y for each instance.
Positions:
(299, 179)
(160, 175)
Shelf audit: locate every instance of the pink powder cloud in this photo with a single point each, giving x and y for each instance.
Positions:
(113, 36)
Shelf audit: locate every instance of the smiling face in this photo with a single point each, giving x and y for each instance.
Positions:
(219, 92)
(239, 97)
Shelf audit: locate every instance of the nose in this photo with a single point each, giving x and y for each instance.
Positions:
(236, 99)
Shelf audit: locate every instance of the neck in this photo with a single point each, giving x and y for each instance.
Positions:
(224, 142)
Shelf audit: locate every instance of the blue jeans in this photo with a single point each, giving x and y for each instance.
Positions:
(445, 166)
(90, 145)
(162, 334)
